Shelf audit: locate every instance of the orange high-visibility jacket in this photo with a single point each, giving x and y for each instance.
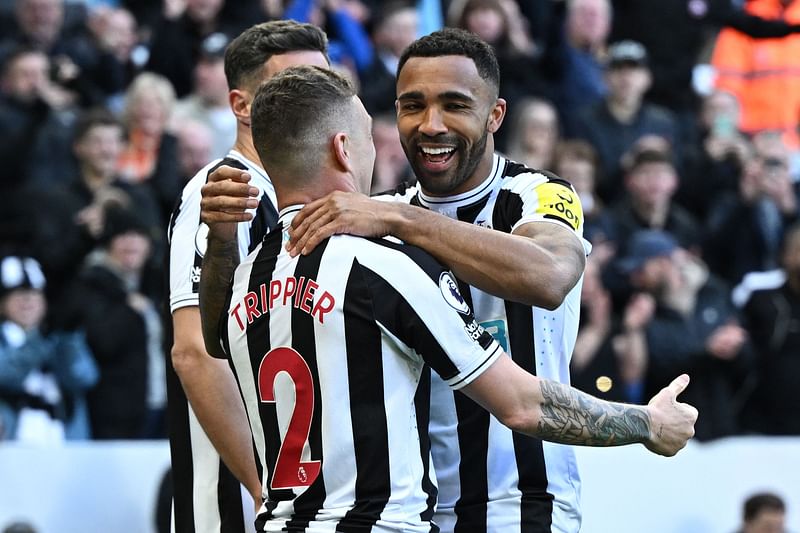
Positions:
(763, 73)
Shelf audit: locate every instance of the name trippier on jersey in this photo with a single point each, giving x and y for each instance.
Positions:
(288, 291)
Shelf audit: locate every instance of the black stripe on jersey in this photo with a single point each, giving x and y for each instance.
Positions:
(507, 210)
(266, 218)
(367, 406)
(469, 213)
(537, 503)
(422, 403)
(473, 443)
(258, 345)
(307, 505)
(399, 317)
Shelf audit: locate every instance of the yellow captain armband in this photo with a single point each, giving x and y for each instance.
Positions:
(558, 201)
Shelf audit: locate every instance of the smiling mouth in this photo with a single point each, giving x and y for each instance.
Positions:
(437, 157)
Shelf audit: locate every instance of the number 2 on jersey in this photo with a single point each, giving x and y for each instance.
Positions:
(290, 470)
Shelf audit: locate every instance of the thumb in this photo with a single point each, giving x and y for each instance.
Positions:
(678, 384)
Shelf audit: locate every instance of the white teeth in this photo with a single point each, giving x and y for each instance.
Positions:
(437, 151)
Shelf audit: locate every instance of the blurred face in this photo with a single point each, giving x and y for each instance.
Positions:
(203, 10)
(767, 521)
(589, 22)
(445, 112)
(655, 274)
(99, 149)
(399, 31)
(129, 251)
(210, 83)
(627, 83)
(652, 184)
(580, 173)
(194, 149)
(25, 307)
(122, 26)
(41, 19)
(541, 129)
(486, 23)
(720, 107)
(26, 75)
(148, 113)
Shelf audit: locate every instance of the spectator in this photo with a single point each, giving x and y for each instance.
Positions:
(123, 329)
(650, 184)
(44, 374)
(149, 155)
(391, 166)
(394, 28)
(91, 72)
(534, 134)
(615, 124)
(771, 317)
(576, 161)
(208, 102)
(766, 202)
(195, 143)
(764, 512)
(581, 57)
(178, 36)
(715, 162)
(36, 117)
(71, 217)
(769, 102)
(693, 329)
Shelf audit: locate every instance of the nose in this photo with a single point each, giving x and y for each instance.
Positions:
(432, 123)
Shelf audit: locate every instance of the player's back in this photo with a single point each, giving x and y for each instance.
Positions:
(329, 349)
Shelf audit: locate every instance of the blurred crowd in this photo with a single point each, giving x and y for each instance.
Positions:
(676, 121)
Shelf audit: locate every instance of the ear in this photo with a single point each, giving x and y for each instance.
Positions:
(496, 116)
(240, 102)
(342, 155)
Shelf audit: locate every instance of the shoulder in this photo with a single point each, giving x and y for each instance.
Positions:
(389, 257)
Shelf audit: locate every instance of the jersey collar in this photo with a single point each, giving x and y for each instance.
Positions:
(450, 203)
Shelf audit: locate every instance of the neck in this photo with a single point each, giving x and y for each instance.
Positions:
(311, 189)
(94, 180)
(244, 143)
(623, 111)
(654, 215)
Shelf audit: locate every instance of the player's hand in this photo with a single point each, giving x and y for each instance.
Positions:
(339, 212)
(226, 196)
(671, 422)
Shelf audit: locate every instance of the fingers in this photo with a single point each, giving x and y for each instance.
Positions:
(308, 235)
(225, 173)
(678, 384)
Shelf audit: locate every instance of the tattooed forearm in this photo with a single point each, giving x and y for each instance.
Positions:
(573, 417)
(219, 263)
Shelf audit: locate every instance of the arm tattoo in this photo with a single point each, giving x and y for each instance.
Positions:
(570, 416)
(219, 263)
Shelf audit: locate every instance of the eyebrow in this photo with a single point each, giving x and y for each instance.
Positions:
(447, 95)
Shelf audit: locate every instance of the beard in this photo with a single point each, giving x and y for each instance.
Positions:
(445, 183)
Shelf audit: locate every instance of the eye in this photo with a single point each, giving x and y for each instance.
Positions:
(411, 106)
(454, 106)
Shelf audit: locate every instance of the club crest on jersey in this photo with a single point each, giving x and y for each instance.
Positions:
(201, 239)
(449, 289)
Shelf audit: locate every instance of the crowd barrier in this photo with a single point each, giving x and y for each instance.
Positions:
(112, 487)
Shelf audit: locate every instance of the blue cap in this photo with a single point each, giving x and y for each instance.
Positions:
(645, 245)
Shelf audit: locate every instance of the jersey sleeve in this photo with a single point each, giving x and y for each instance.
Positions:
(187, 241)
(419, 303)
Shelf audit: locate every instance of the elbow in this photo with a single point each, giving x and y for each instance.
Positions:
(520, 421)
(184, 359)
(549, 292)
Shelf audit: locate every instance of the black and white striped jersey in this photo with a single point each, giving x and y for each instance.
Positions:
(207, 497)
(525, 485)
(329, 350)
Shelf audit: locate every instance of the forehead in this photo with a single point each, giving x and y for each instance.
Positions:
(433, 76)
(280, 62)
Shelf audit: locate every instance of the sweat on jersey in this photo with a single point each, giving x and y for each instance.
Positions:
(329, 350)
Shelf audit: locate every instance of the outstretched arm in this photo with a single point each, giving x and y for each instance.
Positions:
(559, 413)
(496, 262)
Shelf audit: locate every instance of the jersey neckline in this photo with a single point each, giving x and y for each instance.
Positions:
(437, 203)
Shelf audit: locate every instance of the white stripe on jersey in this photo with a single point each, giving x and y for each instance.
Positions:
(187, 236)
(554, 334)
(401, 366)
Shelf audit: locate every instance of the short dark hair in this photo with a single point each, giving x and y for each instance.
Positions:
(92, 118)
(246, 55)
(760, 502)
(293, 113)
(646, 156)
(456, 42)
(576, 149)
